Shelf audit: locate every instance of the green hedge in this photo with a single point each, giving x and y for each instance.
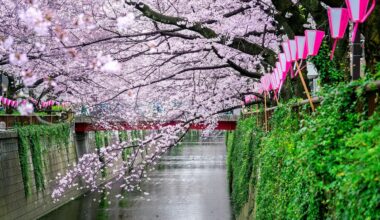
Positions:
(240, 160)
(320, 166)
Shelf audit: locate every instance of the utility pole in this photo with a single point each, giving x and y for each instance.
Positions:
(356, 56)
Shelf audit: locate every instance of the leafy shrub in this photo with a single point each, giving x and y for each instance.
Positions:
(330, 72)
(319, 166)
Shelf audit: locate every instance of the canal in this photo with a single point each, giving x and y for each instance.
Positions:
(190, 182)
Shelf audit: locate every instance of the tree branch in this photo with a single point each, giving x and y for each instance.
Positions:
(240, 44)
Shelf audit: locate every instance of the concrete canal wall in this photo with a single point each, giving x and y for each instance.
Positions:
(14, 202)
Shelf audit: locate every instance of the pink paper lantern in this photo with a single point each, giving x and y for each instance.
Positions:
(280, 72)
(278, 76)
(265, 81)
(246, 100)
(262, 81)
(277, 80)
(278, 69)
(338, 21)
(285, 65)
(313, 41)
(274, 82)
(301, 47)
(293, 50)
(286, 49)
(249, 98)
(264, 84)
(268, 84)
(275, 72)
(357, 10)
(270, 80)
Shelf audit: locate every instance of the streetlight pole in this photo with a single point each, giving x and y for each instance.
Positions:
(356, 55)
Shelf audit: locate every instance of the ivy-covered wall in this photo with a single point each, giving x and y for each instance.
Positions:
(34, 142)
(32, 156)
(30, 159)
(320, 166)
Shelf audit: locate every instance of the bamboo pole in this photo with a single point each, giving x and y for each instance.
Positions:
(276, 98)
(305, 87)
(257, 115)
(265, 112)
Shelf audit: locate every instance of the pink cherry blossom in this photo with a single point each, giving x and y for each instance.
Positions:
(25, 108)
(18, 59)
(121, 62)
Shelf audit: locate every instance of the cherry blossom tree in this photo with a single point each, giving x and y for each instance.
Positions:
(193, 58)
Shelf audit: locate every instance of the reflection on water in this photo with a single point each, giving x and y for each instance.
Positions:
(189, 183)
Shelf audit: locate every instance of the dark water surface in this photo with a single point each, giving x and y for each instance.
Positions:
(189, 183)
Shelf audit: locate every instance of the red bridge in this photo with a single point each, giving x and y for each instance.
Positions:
(84, 124)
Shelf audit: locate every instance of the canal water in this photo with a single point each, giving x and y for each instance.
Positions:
(190, 182)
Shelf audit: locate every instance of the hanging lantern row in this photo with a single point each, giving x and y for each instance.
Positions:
(250, 98)
(15, 103)
(301, 47)
(356, 11)
(295, 49)
(9, 102)
(46, 104)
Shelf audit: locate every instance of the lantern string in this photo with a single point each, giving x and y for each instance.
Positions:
(334, 46)
(370, 10)
(333, 49)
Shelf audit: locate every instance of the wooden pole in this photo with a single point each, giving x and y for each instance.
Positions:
(257, 115)
(305, 87)
(276, 97)
(265, 112)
